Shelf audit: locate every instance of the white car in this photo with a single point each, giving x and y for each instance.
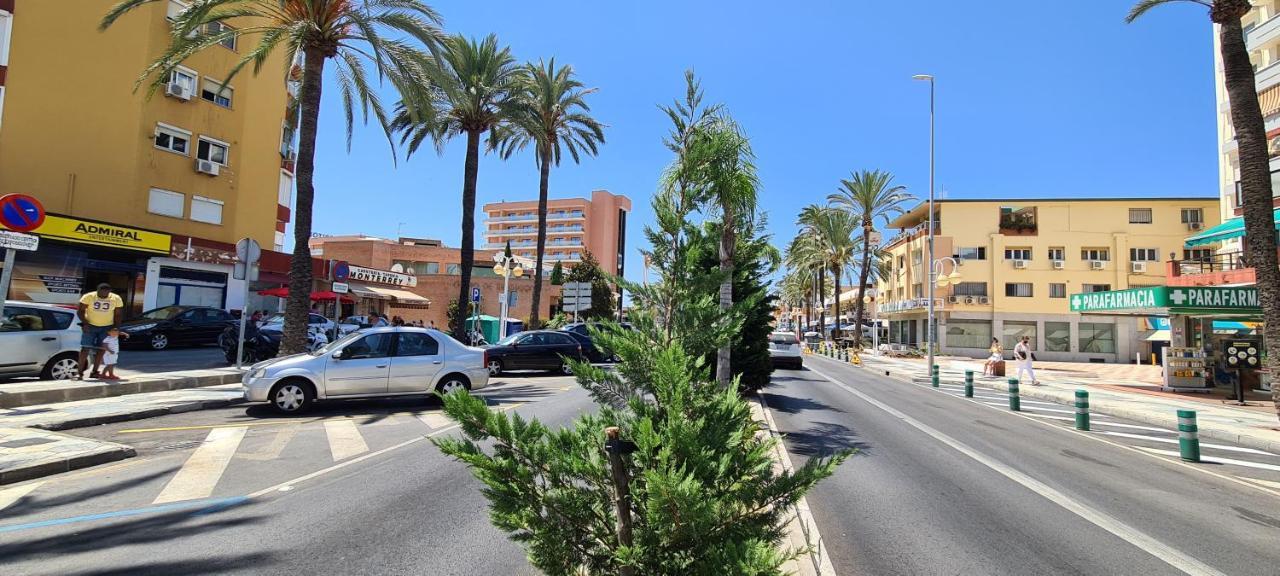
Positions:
(784, 350)
(39, 340)
(388, 361)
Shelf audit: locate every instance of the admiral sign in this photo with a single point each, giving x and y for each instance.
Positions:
(80, 231)
(362, 274)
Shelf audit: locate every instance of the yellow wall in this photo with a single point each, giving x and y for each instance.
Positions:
(76, 136)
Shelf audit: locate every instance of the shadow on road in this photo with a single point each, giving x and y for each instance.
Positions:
(29, 504)
(216, 565)
(790, 405)
(825, 439)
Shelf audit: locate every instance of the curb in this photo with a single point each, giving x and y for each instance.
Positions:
(107, 452)
(11, 398)
(139, 415)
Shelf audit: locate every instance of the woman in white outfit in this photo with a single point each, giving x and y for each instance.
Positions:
(1022, 353)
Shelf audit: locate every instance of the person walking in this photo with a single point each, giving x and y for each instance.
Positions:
(99, 311)
(1022, 354)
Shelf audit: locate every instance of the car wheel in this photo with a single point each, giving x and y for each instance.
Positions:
(495, 367)
(566, 368)
(451, 384)
(159, 341)
(61, 368)
(290, 397)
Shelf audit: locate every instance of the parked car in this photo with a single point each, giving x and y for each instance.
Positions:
(173, 325)
(589, 349)
(39, 340)
(399, 361)
(275, 322)
(784, 351)
(534, 350)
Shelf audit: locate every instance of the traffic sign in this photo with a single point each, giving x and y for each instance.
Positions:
(248, 250)
(341, 270)
(475, 294)
(16, 241)
(21, 213)
(341, 287)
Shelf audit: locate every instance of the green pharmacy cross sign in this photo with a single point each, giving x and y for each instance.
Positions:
(1175, 299)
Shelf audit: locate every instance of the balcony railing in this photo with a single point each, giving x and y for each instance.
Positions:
(913, 233)
(534, 217)
(1211, 264)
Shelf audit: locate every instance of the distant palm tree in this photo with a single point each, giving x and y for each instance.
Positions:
(868, 195)
(553, 115)
(805, 253)
(834, 230)
(1255, 170)
(351, 32)
(473, 90)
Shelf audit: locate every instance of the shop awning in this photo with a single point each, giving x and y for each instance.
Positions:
(1233, 228)
(1158, 336)
(401, 296)
(364, 291)
(283, 292)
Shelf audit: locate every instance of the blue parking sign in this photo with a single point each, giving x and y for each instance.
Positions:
(475, 294)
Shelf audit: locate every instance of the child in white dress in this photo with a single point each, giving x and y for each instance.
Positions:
(111, 354)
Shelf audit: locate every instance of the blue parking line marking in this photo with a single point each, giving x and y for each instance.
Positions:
(198, 506)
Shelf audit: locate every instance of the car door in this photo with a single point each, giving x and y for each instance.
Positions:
(417, 359)
(206, 325)
(561, 346)
(183, 327)
(533, 352)
(361, 368)
(26, 341)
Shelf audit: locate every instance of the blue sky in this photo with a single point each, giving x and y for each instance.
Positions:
(1048, 98)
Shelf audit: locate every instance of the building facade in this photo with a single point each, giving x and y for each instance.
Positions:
(144, 190)
(574, 225)
(1018, 262)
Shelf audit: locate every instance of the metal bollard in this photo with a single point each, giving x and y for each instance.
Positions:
(1015, 403)
(1082, 410)
(1188, 436)
(935, 376)
(968, 383)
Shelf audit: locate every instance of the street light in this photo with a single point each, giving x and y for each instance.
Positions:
(506, 265)
(929, 330)
(869, 301)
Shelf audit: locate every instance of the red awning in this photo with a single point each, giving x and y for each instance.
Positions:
(322, 296)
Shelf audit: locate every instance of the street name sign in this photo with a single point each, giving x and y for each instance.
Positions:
(16, 241)
(341, 288)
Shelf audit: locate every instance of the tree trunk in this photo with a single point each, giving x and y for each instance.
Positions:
(1255, 182)
(544, 177)
(299, 302)
(822, 303)
(858, 307)
(470, 171)
(724, 372)
(835, 276)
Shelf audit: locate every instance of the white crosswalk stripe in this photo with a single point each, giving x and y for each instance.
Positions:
(202, 470)
(10, 495)
(1215, 460)
(435, 420)
(1175, 441)
(345, 440)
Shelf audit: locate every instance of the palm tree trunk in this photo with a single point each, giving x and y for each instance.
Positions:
(543, 178)
(835, 274)
(1255, 180)
(822, 303)
(470, 171)
(724, 371)
(299, 302)
(862, 280)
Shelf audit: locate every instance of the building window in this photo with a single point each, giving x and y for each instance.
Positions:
(165, 203)
(214, 91)
(1057, 290)
(902, 263)
(1143, 255)
(1201, 254)
(1057, 253)
(175, 9)
(1097, 338)
(1096, 287)
(1013, 332)
(206, 210)
(916, 257)
(979, 253)
(968, 333)
(1017, 253)
(212, 150)
(970, 289)
(218, 28)
(184, 77)
(172, 139)
(453, 269)
(1057, 336)
(431, 268)
(1100, 254)
(1192, 215)
(1018, 289)
(1139, 215)
(917, 290)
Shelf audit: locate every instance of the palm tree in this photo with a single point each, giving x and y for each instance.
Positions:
(351, 33)
(473, 90)
(804, 253)
(868, 195)
(553, 115)
(834, 231)
(1255, 170)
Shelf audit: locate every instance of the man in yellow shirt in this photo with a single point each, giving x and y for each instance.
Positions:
(99, 312)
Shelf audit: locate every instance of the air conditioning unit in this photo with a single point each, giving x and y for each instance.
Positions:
(968, 299)
(207, 167)
(178, 91)
(1059, 264)
(984, 300)
(1195, 225)
(1019, 264)
(1138, 267)
(953, 299)
(1097, 264)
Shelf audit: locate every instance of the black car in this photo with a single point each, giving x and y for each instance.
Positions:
(176, 325)
(534, 350)
(589, 348)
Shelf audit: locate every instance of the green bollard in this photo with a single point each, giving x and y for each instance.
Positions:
(1082, 410)
(1188, 436)
(1015, 403)
(935, 376)
(968, 383)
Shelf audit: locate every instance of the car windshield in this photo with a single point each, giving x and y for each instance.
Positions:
(337, 343)
(274, 319)
(509, 340)
(782, 338)
(163, 313)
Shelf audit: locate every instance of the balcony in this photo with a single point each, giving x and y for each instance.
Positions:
(1216, 270)
(532, 230)
(913, 233)
(1264, 33)
(1018, 222)
(910, 304)
(1267, 77)
(551, 216)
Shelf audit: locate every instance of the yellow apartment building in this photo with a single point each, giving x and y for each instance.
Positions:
(146, 193)
(1019, 261)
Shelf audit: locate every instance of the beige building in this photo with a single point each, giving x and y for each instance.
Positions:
(1019, 261)
(574, 225)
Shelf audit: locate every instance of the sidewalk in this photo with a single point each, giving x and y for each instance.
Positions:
(92, 412)
(17, 394)
(1253, 426)
(27, 453)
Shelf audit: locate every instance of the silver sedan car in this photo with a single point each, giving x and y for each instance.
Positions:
(391, 361)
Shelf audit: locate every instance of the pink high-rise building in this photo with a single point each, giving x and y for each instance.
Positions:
(574, 225)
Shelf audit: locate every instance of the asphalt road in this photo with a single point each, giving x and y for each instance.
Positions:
(349, 488)
(947, 485)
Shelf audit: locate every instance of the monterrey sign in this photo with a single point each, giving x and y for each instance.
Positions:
(1186, 299)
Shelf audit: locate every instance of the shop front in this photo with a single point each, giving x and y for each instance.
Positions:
(382, 291)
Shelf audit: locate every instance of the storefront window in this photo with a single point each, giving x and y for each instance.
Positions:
(1097, 338)
(968, 334)
(1057, 336)
(1014, 331)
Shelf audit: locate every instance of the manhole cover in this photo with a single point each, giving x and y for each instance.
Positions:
(180, 445)
(23, 442)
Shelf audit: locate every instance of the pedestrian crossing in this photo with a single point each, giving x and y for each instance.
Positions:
(200, 474)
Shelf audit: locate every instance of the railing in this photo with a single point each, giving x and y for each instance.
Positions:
(534, 217)
(1212, 263)
(913, 233)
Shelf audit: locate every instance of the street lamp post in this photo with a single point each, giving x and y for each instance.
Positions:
(930, 334)
(506, 265)
(870, 301)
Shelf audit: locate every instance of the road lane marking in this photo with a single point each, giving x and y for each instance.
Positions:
(1175, 441)
(1267, 483)
(210, 426)
(203, 469)
(1215, 460)
(10, 495)
(1137, 538)
(274, 448)
(435, 420)
(211, 505)
(345, 440)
